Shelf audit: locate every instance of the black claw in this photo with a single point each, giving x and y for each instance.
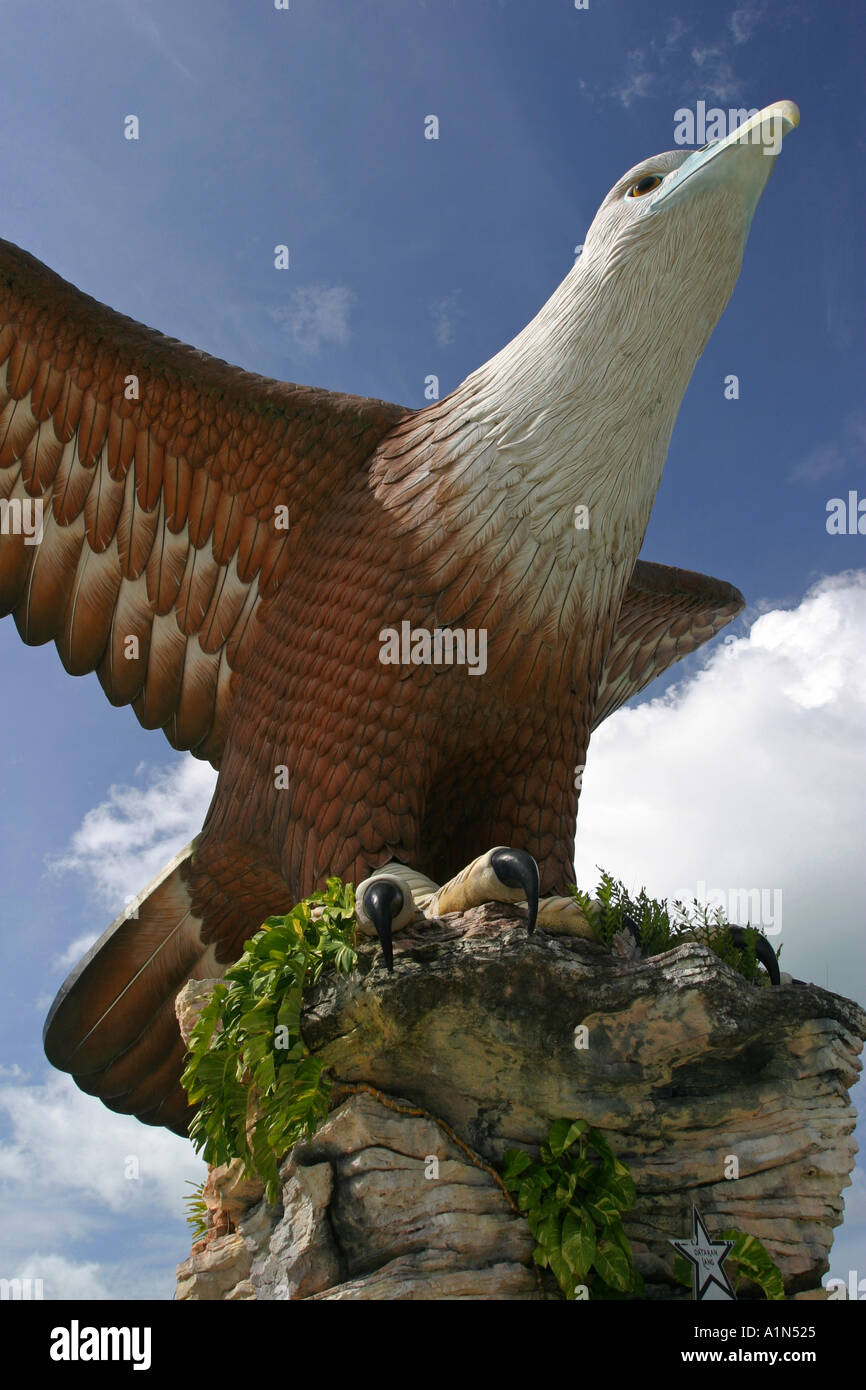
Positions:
(763, 950)
(631, 926)
(517, 869)
(382, 902)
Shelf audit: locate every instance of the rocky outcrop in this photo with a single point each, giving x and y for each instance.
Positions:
(709, 1088)
(381, 1204)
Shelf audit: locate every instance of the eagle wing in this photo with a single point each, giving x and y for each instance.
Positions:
(174, 489)
(666, 613)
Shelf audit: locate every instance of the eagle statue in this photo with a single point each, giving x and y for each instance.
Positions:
(392, 631)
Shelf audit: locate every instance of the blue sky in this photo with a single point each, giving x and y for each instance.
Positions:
(410, 257)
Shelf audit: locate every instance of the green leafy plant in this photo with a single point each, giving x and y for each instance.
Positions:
(258, 1088)
(196, 1209)
(748, 1262)
(573, 1198)
(662, 927)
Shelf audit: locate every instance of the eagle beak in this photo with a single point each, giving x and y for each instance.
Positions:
(762, 133)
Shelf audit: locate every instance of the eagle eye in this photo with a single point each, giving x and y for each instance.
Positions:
(644, 185)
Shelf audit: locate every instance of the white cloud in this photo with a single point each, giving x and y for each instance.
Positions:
(127, 839)
(68, 1184)
(744, 20)
(673, 35)
(717, 75)
(445, 313)
(62, 1278)
(834, 457)
(317, 314)
(64, 1143)
(74, 951)
(639, 81)
(751, 774)
(643, 67)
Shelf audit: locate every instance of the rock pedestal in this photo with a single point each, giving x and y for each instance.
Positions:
(709, 1089)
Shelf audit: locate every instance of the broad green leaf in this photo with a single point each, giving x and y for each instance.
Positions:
(564, 1133)
(548, 1233)
(619, 1185)
(583, 1169)
(613, 1265)
(602, 1209)
(565, 1188)
(599, 1143)
(516, 1162)
(578, 1243)
(564, 1276)
(529, 1191)
(754, 1261)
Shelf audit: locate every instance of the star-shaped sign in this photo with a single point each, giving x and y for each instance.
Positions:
(709, 1280)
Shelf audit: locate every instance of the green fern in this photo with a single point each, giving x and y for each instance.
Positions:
(196, 1210)
(258, 1089)
(662, 927)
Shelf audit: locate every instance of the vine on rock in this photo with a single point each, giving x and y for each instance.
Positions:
(258, 1089)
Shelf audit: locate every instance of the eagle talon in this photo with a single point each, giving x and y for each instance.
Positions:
(516, 869)
(633, 929)
(763, 950)
(383, 901)
(385, 904)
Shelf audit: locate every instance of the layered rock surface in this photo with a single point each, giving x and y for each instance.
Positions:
(692, 1074)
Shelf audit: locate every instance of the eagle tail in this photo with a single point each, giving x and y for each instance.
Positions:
(113, 1024)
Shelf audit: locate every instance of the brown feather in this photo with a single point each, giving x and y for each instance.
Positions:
(102, 509)
(41, 611)
(203, 502)
(68, 411)
(90, 608)
(136, 531)
(149, 465)
(92, 428)
(165, 567)
(122, 435)
(165, 663)
(40, 460)
(178, 486)
(21, 369)
(123, 669)
(17, 429)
